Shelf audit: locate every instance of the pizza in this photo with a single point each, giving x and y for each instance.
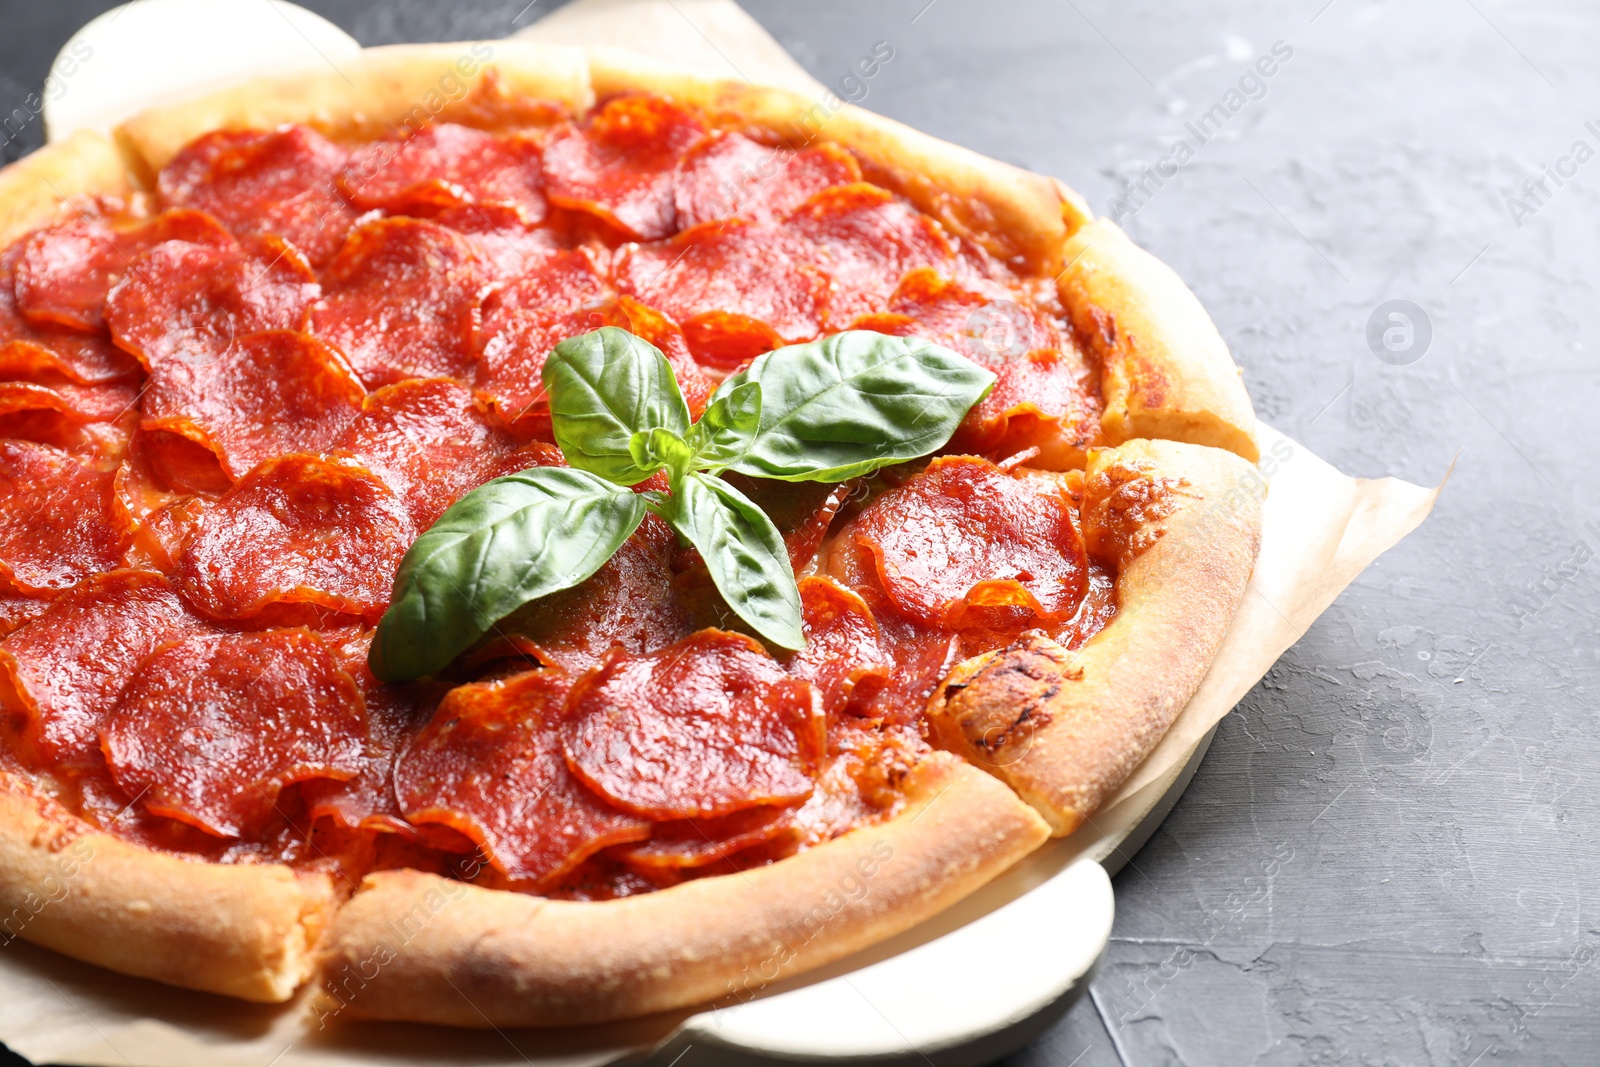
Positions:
(523, 536)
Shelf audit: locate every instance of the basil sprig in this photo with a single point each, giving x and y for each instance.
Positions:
(827, 410)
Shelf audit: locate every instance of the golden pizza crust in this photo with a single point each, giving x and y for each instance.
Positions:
(244, 930)
(1182, 525)
(382, 91)
(414, 946)
(35, 191)
(1165, 371)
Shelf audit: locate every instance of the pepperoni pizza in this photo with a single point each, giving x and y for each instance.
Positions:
(263, 346)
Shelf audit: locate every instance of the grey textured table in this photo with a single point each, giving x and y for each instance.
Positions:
(1384, 857)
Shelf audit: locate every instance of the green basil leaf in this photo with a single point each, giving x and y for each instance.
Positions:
(748, 561)
(659, 449)
(725, 431)
(604, 387)
(503, 544)
(848, 404)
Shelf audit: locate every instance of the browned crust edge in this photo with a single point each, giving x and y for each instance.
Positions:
(244, 930)
(1165, 370)
(381, 91)
(418, 947)
(1183, 524)
(36, 189)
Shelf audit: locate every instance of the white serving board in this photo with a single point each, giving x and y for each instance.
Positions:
(969, 986)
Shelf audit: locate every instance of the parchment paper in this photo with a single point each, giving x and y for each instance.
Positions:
(1320, 530)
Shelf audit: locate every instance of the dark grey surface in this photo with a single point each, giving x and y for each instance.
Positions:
(1384, 859)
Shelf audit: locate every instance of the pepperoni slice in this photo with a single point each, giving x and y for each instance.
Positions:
(518, 339)
(211, 729)
(628, 603)
(708, 726)
(191, 301)
(60, 414)
(697, 842)
(991, 327)
(620, 165)
(65, 272)
(730, 176)
(729, 277)
(266, 395)
(45, 353)
(866, 240)
(395, 714)
(400, 301)
(60, 519)
(490, 766)
(163, 519)
(265, 182)
(510, 245)
(1042, 400)
(297, 532)
(843, 644)
(17, 611)
(68, 667)
(430, 441)
(964, 535)
(447, 165)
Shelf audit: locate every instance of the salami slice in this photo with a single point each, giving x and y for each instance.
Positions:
(628, 603)
(843, 645)
(189, 301)
(46, 353)
(991, 327)
(400, 301)
(211, 729)
(865, 241)
(708, 726)
(367, 802)
(67, 668)
(17, 611)
(265, 182)
(1042, 400)
(266, 395)
(620, 165)
(730, 176)
(964, 536)
(60, 519)
(490, 766)
(447, 165)
(297, 532)
(697, 842)
(65, 272)
(518, 339)
(511, 246)
(60, 414)
(430, 441)
(728, 275)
